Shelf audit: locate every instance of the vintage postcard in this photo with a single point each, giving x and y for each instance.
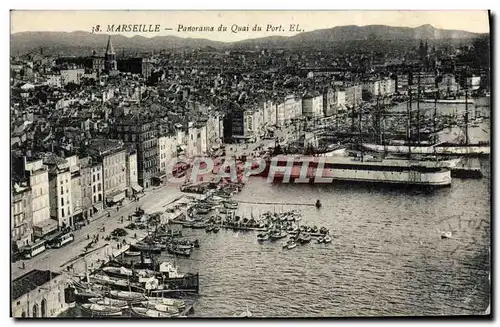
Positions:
(250, 164)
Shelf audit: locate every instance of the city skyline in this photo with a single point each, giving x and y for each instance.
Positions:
(81, 20)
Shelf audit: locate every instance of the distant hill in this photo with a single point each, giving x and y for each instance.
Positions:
(28, 41)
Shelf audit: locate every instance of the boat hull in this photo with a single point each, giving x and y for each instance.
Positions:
(431, 150)
(405, 177)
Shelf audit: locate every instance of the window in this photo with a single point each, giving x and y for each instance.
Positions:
(99, 187)
(100, 197)
(93, 178)
(93, 188)
(62, 212)
(62, 190)
(98, 177)
(62, 201)
(95, 199)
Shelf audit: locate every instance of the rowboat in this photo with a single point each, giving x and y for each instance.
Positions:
(132, 253)
(146, 247)
(127, 296)
(277, 236)
(149, 313)
(168, 301)
(101, 310)
(106, 301)
(327, 239)
(262, 237)
(161, 307)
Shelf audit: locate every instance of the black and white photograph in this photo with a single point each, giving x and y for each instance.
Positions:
(250, 164)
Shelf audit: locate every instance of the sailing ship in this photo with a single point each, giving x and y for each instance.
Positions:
(439, 148)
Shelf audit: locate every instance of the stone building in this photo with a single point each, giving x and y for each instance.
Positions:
(38, 294)
(21, 215)
(142, 133)
(112, 155)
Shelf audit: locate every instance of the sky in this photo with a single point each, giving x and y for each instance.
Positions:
(239, 21)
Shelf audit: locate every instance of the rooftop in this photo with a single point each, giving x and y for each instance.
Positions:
(30, 281)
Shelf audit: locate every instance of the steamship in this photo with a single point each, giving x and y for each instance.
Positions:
(367, 169)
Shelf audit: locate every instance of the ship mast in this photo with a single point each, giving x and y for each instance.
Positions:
(466, 110)
(435, 111)
(361, 131)
(418, 108)
(408, 118)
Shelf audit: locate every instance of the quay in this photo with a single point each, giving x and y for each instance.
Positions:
(42, 291)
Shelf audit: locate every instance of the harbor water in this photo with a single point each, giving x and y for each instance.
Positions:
(387, 256)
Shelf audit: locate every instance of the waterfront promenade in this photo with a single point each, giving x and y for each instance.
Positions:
(56, 260)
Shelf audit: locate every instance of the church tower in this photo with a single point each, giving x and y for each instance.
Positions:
(110, 58)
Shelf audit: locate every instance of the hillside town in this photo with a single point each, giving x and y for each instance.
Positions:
(94, 133)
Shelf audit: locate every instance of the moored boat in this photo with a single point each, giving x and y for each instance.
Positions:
(304, 238)
(199, 225)
(146, 247)
(161, 307)
(127, 296)
(101, 310)
(178, 251)
(291, 245)
(262, 237)
(181, 304)
(106, 301)
(327, 239)
(132, 253)
(278, 235)
(149, 313)
(320, 240)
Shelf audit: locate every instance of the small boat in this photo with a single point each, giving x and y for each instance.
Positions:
(167, 301)
(285, 244)
(132, 253)
(323, 230)
(181, 246)
(304, 238)
(83, 295)
(244, 314)
(146, 247)
(118, 271)
(127, 296)
(446, 235)
(178, 251)
(291, 245)
(209, 228)
(320, 240)
(314, 230)
(318, 204)
(106, 301)
(216, 229)
(231, 205)
(161, 307)
(277, 236)
(101, 310)
(199, 225)
(327, 239)
(262, 237)
(149, 313)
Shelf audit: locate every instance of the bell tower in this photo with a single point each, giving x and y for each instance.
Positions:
(110, 57)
